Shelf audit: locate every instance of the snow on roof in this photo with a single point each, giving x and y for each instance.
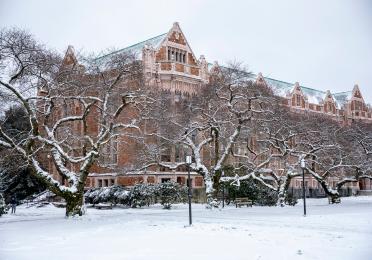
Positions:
(136, 49)
(284, 89)
(314, 96)
(280, 88)
(342, 98)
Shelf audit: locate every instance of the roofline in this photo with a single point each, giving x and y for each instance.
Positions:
(111, 53)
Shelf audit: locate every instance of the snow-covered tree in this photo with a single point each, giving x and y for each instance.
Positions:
(74, 110)
(208, 126)
(265, 153)
(334, 155)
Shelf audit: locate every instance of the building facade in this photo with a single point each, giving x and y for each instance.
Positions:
(169, 64)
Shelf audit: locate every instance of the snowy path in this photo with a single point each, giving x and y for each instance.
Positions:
(328, 232)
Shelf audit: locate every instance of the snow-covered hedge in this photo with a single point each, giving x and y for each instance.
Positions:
(139, 195)
(114, 194)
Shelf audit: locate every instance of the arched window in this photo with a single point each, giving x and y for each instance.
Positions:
(298, 100)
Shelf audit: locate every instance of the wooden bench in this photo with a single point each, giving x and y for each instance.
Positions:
(42, 204)
(103, 206)
(59, 204)
(243, 201)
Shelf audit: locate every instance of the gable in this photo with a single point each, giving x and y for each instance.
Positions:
(177, 37)
(175, 42)
(70, 58)
(357, 94)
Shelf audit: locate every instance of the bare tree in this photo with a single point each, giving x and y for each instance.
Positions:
(73, 110)
(266, 153)
(332, 152)
(208, 127)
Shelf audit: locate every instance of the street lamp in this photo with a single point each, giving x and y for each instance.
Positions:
(188, 162)
(303, 165)
(223, 190)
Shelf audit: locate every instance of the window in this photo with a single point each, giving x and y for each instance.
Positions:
(109, 152)
(298, 100)
(176, 55)
(165, 154)
(178, 154)
(99, 183)
(164, 180)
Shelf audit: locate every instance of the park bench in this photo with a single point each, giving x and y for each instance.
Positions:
(243, 201)
(42, 204)
(59, 204)
(103, 206)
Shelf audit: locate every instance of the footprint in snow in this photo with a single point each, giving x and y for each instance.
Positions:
(299, 252)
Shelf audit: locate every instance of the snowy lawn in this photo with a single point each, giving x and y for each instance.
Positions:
(329, 232)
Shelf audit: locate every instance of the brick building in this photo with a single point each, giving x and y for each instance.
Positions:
(170, 64)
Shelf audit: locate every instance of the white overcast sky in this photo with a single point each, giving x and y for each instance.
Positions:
(323, 44)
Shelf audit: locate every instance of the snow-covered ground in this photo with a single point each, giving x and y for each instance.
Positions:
(329, 232)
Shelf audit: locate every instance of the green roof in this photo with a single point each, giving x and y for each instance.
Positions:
(136, 49)
(314, 96)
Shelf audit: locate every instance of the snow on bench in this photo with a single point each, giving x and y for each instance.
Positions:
(103, 206)
(243, 201)
(59, 204)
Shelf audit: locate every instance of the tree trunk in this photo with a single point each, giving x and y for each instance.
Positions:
(75, 204)
(334, 198)
(283, 189)
(334, 195)
(209, 190)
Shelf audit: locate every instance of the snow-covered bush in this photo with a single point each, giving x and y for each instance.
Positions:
(142, 194)
(113, 194)
(169, 193)
(3, 209)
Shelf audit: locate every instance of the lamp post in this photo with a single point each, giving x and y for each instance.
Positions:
(223, 191)
(303, 165)
(188, 162)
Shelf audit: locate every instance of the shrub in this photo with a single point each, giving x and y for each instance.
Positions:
(170, 193)
(142, 194)
(113, 194)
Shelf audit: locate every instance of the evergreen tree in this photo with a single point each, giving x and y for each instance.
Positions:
(2, 205)
(170, 193)
(259, 194)
(15, 177)
(142, 194)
